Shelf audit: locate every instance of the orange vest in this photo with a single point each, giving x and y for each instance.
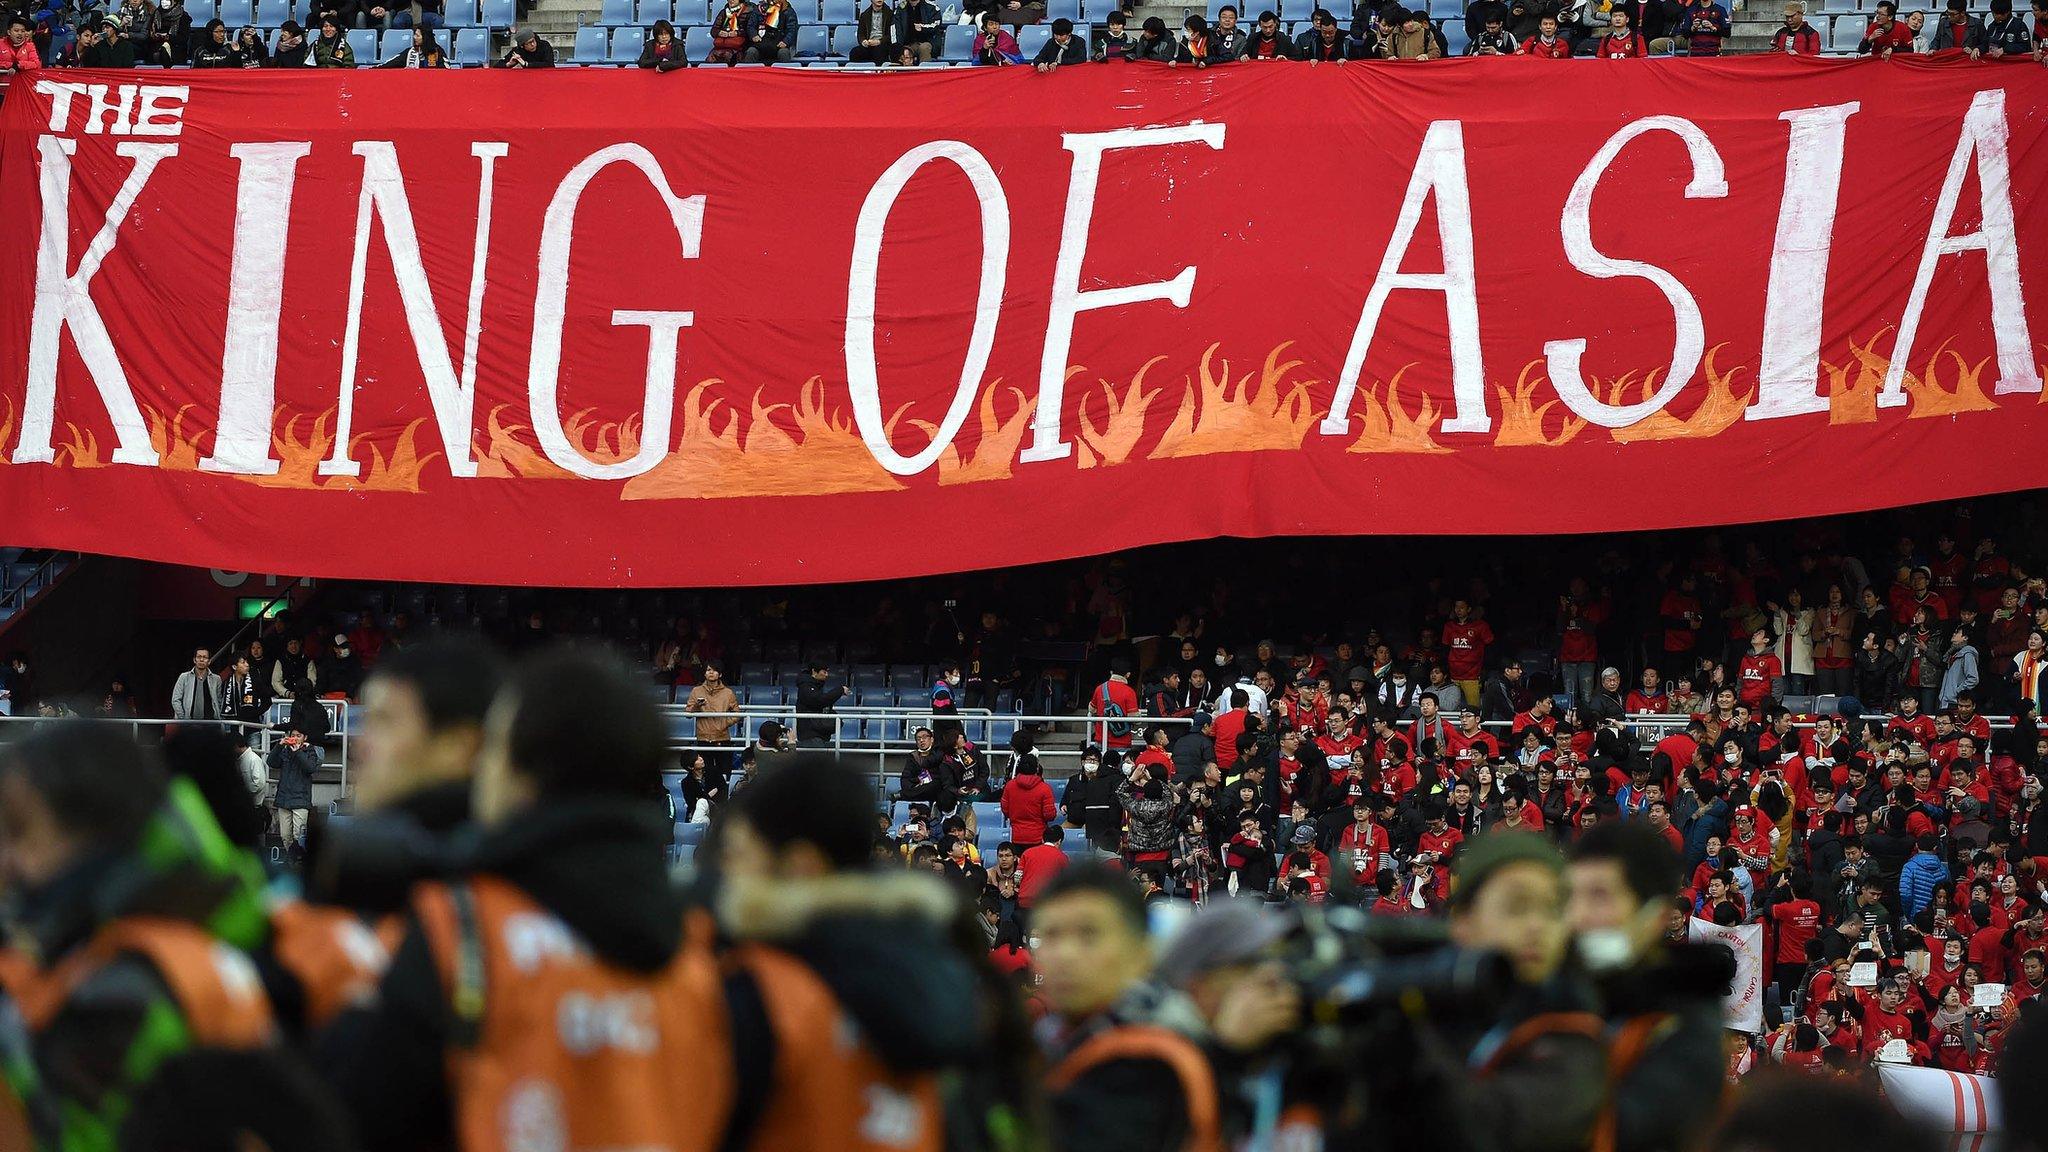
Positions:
(829, 1089)
(563, 1050)
(336, 958)
(216, 988)
(1145, 1042)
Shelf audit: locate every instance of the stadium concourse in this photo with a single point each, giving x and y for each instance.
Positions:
(1747, 804)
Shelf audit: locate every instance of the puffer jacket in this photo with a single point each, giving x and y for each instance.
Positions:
(1151, 820)
(1028, 802)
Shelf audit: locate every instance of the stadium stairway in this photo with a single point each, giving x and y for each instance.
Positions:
(25, 576)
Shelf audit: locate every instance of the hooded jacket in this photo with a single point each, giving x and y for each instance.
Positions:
(1028, 802)
(1151, 819)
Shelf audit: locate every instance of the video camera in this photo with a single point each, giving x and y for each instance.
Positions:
(1353, 967)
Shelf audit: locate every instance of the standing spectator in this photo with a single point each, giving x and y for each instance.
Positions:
(1228, 38)
(18, 51)
(1760, 674)
(1792, 622)
(1704, 25)
(1920, 876)
(921, 28)
(1090, 803)
(293, 761)
(1151, 833)
(1038, 865)
(289, 667)
(1622, 42)
(528, 51)
(1493, 40)
(1063, 48)
(244, 697)
(1114, 43)
(817, 694)
(1413, 38)
(1959, 672)
(1834, 637)
(331, 49)
(293, 51)
(1028, 802)
(17, 687)
(2004, 34)
(1466, 637)
(710, 697)
(1547, 43)
(2027, 671)
(732, 29)
(1114, 701)
(340, 670)
(196, 694)
(874, 33)
(774, 33)
(1885, 36)
(663, 53)
(1267, 42)
(1797, 37)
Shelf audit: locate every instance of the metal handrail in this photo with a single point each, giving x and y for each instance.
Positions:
(45, 572)
(220, 654)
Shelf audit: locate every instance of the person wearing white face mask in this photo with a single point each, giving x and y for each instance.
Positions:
(1088, 801)
(1661, 999)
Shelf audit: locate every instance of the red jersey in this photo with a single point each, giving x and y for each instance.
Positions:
(1229, 727)
(1797, 921)
(1038, 865)
(1949, 572)
(1444, 844)
(1918, 727)
(1368, 838)
(1640, 701)
(1557, 48)
(1879, 1025)
(1465, 648)
(1755, 676)
(1626, 44)
(1114, 700)
(1482, 740)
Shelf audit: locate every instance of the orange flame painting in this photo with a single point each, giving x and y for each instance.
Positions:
(1718, 410)
(1388, 427)
(1522, 420)
(1122, 426)
(1264, 418)
(174, 450)
(824, 456)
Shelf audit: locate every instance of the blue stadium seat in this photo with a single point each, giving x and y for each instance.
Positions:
(459, 14)
(775, 694)
(1032, 38)
(840, 12)
(865, 676)
(233, 13)
(472, 46)
(907, 678)
(696, 48)
(363, 42)
(1447, 10)
(813, 42)
(1847, 32)
(959, 43)
(845, 39)
(1833, 6)
(691, 12)
(614, 14)
(1071, 9)
(757, 674)
(849, 729)
(1000, 731)
(1456, 40)
(202, 11)
(693, 834)
(626, 44)
(395, 42)
(989, 814)
(497, 15)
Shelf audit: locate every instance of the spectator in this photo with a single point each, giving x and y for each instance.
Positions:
(252, 52)
(332, 50)
(340, 671)
(1062, 48)
(1621, 42)
(1325, 40)
(2004, 34)
(1145, 798)
(17, 687)
(168, 34)
(1196, 47)
(732, 29)
(1091, 804)
(1267, 42)
(874, 33)
(294, 50)
(709, 698)
(1038, 865)
(1493, 40)
(1114, 43)
(530, 51)
(664, 53)
(815, 694)
(1228, 38)
(1028, 803)
(214, 50)
(1923, 41)
(921, 28)
(380, 15)
(196, 694)
(293, 761)
(244, 697)
(774, 37)
(1922, 873)
(1885, 36)
(1153, 43)
(1760, 673)
(1704, 25)
(423, 52)
(1525, 21)
(1959, 672)
(2028, 670)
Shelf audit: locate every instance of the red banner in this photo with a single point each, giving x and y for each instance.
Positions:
(766, 326)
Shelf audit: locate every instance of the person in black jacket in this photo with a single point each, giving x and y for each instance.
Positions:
(924, 778)
(816, 693)
(1197, 45)
(1267, 42)
(662, 52)
(214, 50)
(1153, 42)
(875, 31)
(1088, 801)
(920, 27)
(1063, 48)
(2003, 35)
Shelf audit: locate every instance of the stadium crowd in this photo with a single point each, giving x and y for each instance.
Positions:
(1840, 745)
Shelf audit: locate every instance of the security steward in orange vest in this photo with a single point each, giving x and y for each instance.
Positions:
(851, 991)
(558, 992)
(136, 910)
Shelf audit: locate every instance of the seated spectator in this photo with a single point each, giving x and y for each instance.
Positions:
(423, 52)
(874, 33)
(1063, 48)
(1154, 43)
(1413, 37)
(1916, 23)
(530, 51)
(1956, 29)
(995, 46)
(250, 51)
(1267, 42)
(1113, 42)
(17, 51)
(1886, 35)
(2004, 34)
(1621, 40)
(294, 50)
(1021, 11)
(1547, 42)
(774, 36)
(1798, 38)
(167, 35)
(1325, 40)
(1493, 40)
(331, 49)
(731, 31)
(663, 52)
(382, 15)
(920, 29)
(1195, 47)
(1704, 26)
(1227, 38)
(1477, 14)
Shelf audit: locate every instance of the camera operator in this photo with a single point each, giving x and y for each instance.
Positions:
(1661, 998)
(1135, 1064)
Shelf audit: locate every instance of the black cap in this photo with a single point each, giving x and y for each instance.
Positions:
(1062, 26)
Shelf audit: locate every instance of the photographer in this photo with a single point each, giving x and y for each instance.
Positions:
(1151, 807)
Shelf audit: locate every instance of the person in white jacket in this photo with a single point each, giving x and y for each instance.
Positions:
(1792, 622)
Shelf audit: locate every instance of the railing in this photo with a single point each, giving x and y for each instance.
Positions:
(17, 596)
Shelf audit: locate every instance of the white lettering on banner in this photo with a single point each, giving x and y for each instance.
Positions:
(1069, 300)
(861, 376)
(161, 112)
(61, 94)
(248, 368)
(1439, 177)
(1788, 380)
(454, 400)
(65, 300)
(1983, 140)
(1709, 179)
(550, 306)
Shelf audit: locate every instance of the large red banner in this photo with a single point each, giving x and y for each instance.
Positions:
(765, 326)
